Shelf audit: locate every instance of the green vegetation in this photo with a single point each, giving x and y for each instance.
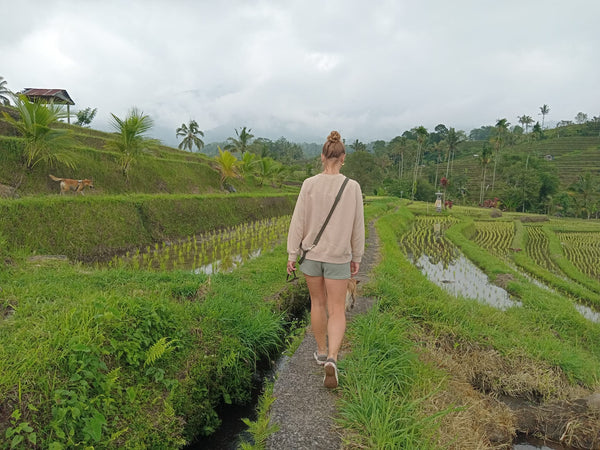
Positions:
(130, 139)
(189, 134)
(389, 390)
(119, 357)
(42, 142)
(98, 227)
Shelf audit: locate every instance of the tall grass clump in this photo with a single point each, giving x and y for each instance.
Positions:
(383, 387)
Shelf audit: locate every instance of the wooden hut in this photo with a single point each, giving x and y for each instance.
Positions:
(57, 96)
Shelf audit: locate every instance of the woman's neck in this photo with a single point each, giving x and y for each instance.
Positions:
(331, 168)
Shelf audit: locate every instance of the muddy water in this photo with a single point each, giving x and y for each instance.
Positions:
(530, 443)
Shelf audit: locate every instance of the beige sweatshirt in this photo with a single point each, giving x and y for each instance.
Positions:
(344, 237)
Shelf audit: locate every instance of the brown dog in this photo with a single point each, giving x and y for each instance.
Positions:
(351, 293)
(67, 184)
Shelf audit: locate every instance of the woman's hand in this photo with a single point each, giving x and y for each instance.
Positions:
(291, 267)
(354, 266)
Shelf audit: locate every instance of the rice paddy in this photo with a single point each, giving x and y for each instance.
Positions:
(217, 251)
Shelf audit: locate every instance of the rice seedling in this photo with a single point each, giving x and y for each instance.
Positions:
(216, 251)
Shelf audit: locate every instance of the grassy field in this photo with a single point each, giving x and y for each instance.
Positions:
(116, 357)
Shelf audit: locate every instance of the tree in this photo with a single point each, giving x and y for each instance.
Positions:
(190, 138)
(422, 134)
(4, 92)
(586, 186)
(537, 131)
(358, 146)
(481, 134)
(362, 167)
(581, 118)
(484, 160)
(267, 169)
(397, 148)
(85, 116)
(42, 142)
(525, 121)
(227, 164)
(453, 138)
(501, 131)
(241, 143)
(130, 139)
(544, 111)
(247, 164)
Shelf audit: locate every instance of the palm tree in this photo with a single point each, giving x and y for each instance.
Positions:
(358, 146)
(484, 160)
(501, 131)
(586, 186)
(189, 133)
(525, 121)
(247, 163)
(398, 147)
(42, 142)
(227, 164)
(544, 111)
(438, 147)
(452, 140)
(4, 92)
(267, 169)
(242, 142)
(422, 134)
(130, 139)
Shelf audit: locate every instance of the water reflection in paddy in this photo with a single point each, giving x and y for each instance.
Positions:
(460, 277)
(442, 263)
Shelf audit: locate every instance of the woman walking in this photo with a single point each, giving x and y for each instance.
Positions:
(332, 254)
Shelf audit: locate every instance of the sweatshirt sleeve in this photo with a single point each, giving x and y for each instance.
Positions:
(296, 231)
(358, 228)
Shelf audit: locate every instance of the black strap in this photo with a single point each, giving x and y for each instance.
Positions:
(316, 241)
(337, 199)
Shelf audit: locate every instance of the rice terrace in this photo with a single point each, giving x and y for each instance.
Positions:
(132, 315)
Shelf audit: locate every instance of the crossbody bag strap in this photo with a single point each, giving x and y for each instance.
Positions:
(337, 199)
(316, 241)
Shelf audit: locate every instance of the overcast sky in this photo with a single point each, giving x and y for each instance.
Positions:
(300, 68)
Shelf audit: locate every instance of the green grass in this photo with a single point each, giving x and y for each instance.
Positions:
(116, 357)
(97, 227)
(385, 385)
(125, 358)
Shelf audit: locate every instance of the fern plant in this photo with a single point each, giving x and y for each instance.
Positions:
(158, 350)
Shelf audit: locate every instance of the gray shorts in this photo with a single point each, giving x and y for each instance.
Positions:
(325, 270)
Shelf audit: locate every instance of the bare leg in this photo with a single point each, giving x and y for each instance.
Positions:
(318, 311)
(336, 308)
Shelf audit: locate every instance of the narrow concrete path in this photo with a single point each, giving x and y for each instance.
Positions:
(304, 409)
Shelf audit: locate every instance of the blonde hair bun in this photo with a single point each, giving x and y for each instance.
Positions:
(334, 136)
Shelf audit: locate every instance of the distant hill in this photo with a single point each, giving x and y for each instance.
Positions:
(572, 156)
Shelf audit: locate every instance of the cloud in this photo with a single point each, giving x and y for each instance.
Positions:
(301, 68)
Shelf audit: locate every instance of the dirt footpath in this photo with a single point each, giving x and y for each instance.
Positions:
(303, 408)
